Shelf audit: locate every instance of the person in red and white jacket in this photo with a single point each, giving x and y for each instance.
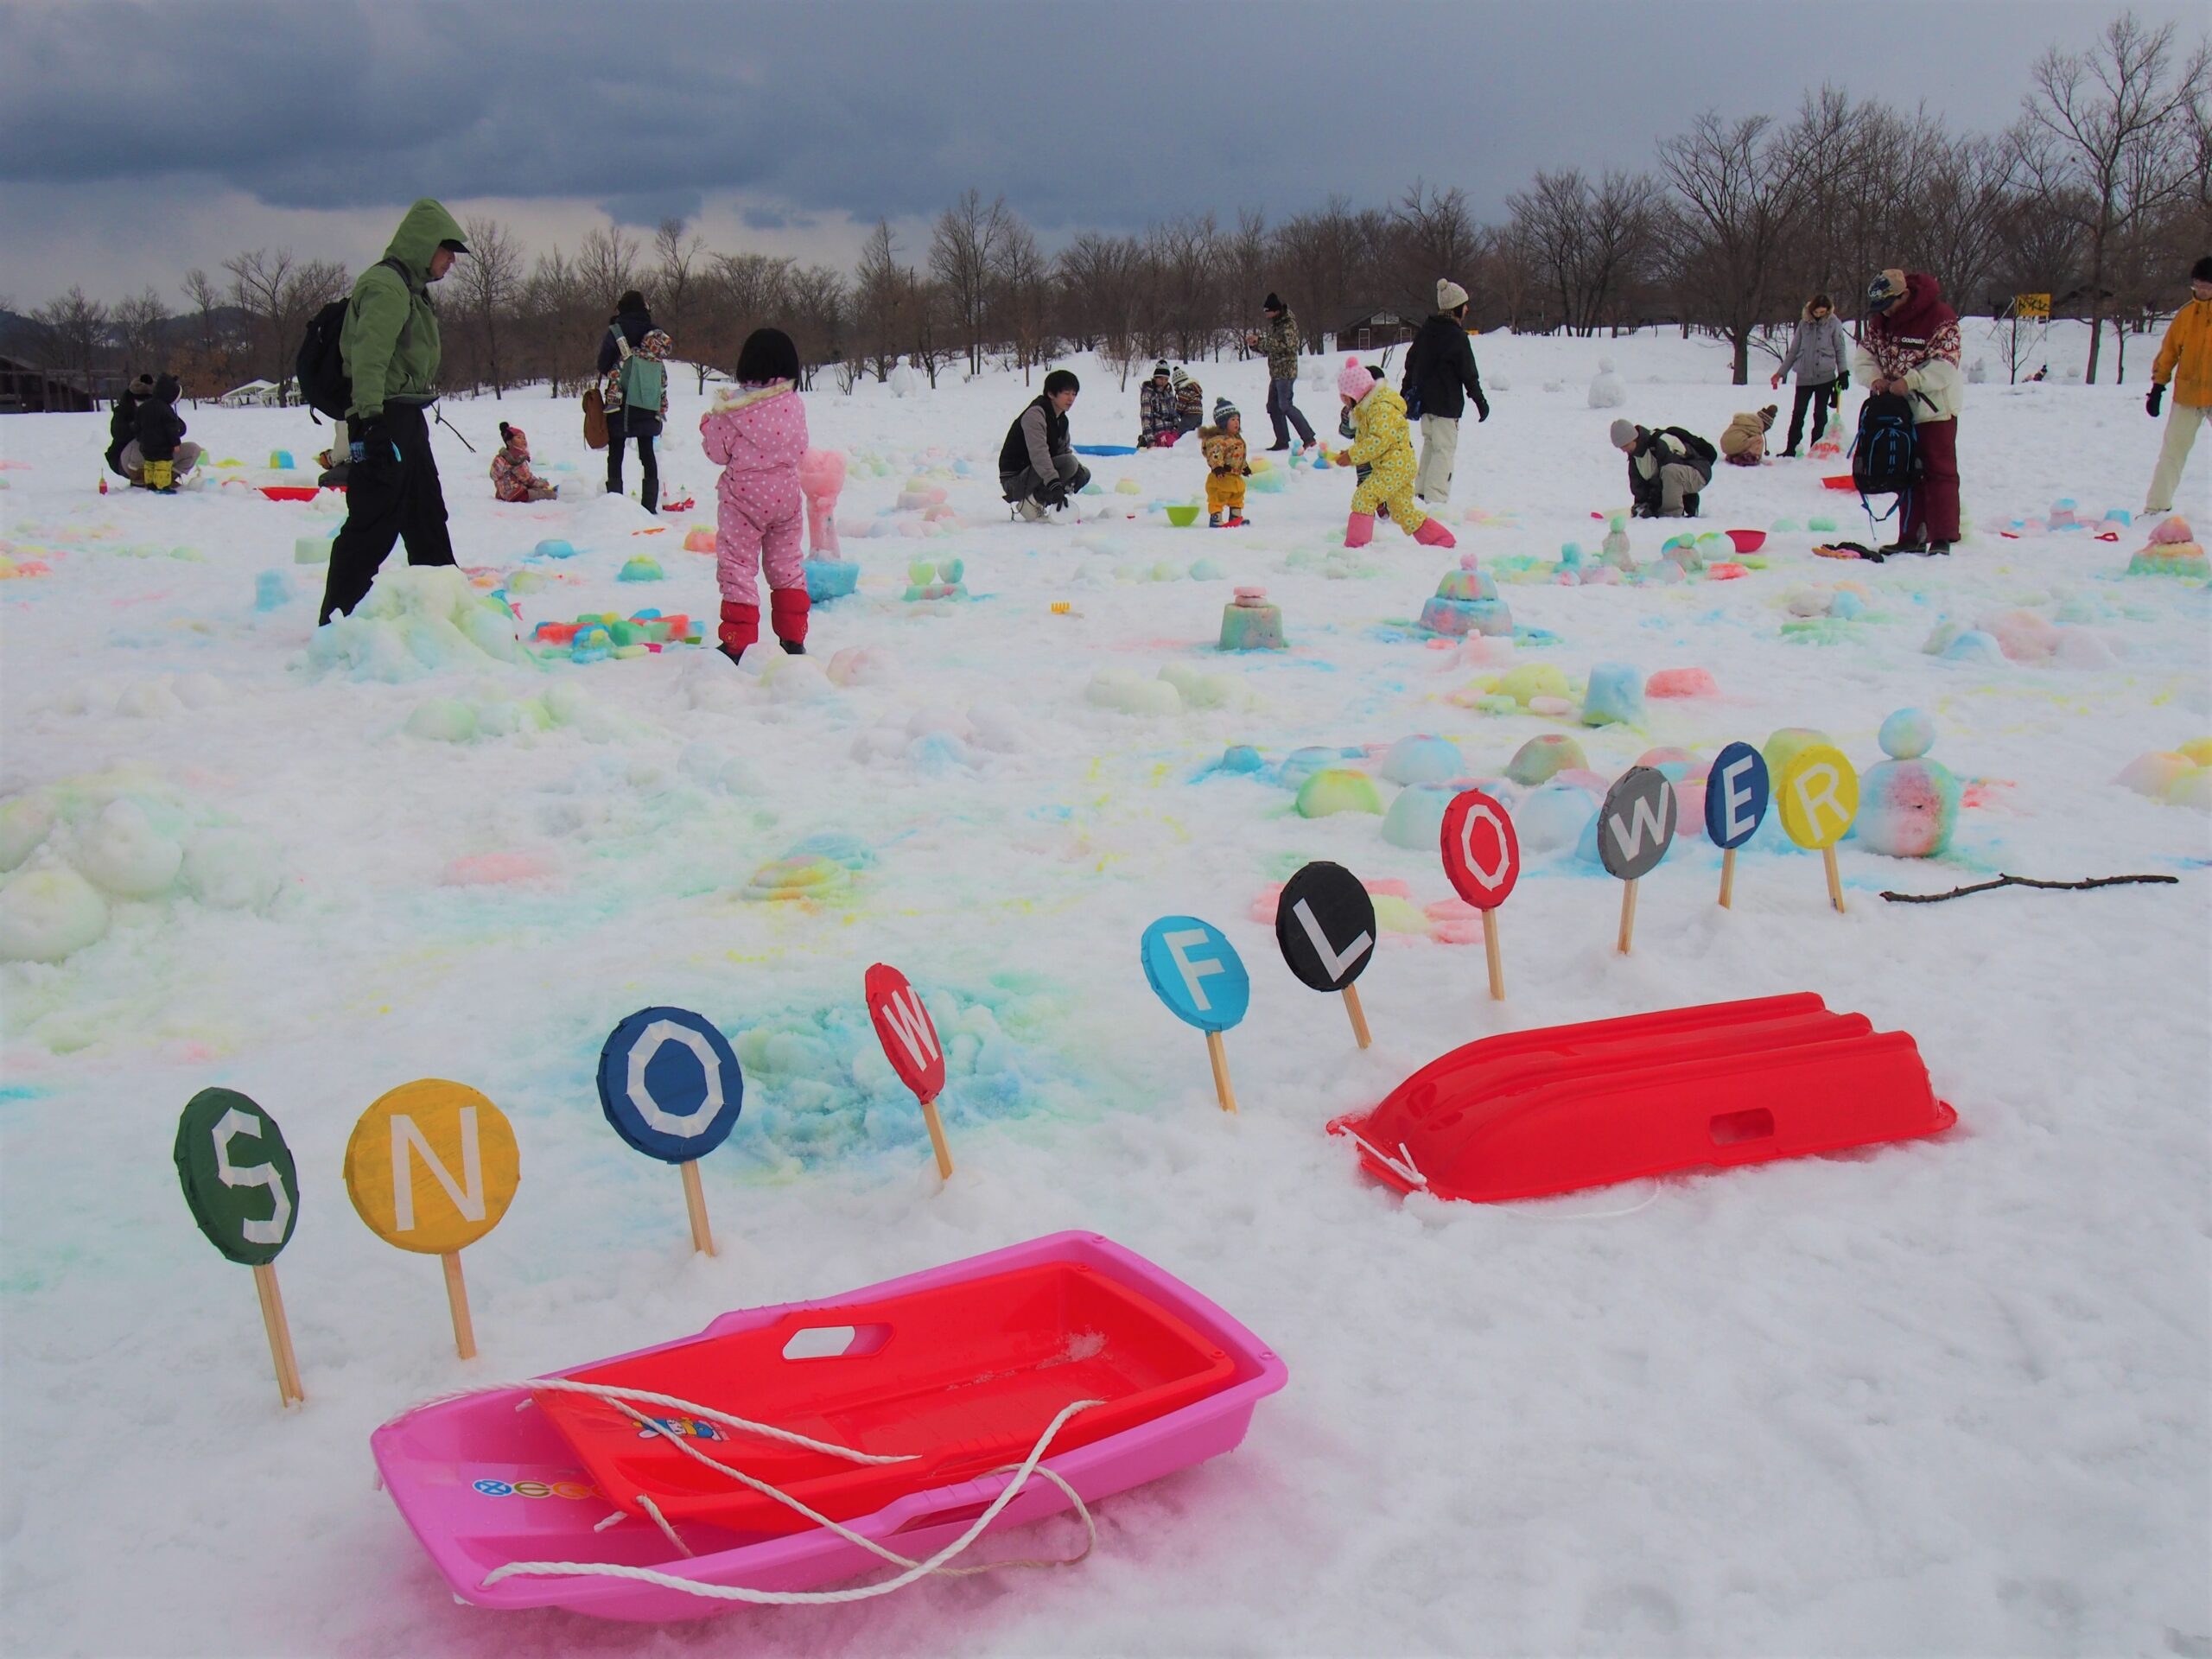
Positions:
(1908, 346)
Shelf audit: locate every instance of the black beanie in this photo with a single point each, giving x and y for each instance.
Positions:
(2201, 271)
(1273, 303)
(1060, 380)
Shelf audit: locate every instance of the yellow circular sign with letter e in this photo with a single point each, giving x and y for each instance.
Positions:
(1818, 796)
(432, 1165)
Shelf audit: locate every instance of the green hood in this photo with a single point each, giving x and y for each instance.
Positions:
(426, 225)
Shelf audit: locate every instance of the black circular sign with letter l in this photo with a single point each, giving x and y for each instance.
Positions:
(1325, 922)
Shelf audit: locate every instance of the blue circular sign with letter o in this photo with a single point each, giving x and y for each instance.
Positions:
(1736, 792)
(669, 1082)
(1196, 972)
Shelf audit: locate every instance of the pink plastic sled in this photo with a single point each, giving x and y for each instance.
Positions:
(492, 1479)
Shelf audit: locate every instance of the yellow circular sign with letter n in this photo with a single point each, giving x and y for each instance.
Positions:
(1817, 796)
(432, 1165)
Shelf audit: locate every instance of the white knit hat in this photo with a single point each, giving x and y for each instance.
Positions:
(1450, 297)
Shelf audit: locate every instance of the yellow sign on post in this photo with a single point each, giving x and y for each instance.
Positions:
(432, 1167)
(2032, 306)
(1818, 797)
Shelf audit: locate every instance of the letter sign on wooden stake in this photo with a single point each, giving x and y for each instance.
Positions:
(903, 1025)
(670, 1085)
(1636, 826)
(1736, 795)
(1194, 970)
(1482, 861)
(432, 1165)
(1324, 926)
(1819, 796)
(237, 1174)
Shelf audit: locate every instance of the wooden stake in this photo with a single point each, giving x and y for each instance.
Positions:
(1219, 1056)
(1358, 1015)
(1496, 958)
(1835, 879)
(695, 1202)
(937, 1141)
(1727, 879)
(464, 1330)
(280, 1335)
(1627, 915)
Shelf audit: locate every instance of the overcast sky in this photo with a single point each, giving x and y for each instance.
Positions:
(136, 141)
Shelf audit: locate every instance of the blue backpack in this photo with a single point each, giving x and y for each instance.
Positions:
(1885, 453)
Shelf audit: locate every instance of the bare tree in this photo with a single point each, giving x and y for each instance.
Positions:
(490, 283)
(819, 307)
(2107, 140)
(138, 324)
(1435, 236)
(1585, 242)
(1022, 280)
(962, 250)
(678, 260)
(881, 289)
(78, 327)
(259, 282)
(607, 265)
(1740, 202)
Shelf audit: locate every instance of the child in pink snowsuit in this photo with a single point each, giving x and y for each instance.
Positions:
(756, 432)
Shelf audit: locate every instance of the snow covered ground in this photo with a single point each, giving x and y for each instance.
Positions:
(1946, 1397)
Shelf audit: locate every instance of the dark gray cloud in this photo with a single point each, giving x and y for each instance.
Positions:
(1109, 114)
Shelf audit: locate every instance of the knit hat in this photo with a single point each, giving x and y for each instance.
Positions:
(1353, 380)
(1273, 303)
(1624, 435)
(1886, 290)
(143, 386)
(1180, 378)
(1767, 415)
(1223, 411)
(514, 437)
(1450, 297)
(2201, 271)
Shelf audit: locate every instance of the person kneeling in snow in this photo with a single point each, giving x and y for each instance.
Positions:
(1667, 469)
(1223, 445)
(1383, 441)
(1037, 465)
(756, 433)
(1744, 444)
(158, 456)
(512, 479)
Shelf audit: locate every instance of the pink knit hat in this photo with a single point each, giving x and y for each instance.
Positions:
(1353, 380)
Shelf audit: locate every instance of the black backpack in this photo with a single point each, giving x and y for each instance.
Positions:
(320, 368)
(1885, 452)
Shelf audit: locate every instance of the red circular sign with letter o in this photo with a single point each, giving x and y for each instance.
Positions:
(1481, 855)
(908, 1035)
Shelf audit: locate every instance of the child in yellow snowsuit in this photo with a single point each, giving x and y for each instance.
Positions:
(1381, 442)
(1223, 445)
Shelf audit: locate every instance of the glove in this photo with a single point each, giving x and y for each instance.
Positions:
(2151, 404)
(371, 439)
(1482, 408)
(1054, 494)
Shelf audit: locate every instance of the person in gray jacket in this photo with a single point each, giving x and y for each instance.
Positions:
(1822, 357)
(1037, 465)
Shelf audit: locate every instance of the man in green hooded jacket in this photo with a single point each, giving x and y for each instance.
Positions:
(389, 344)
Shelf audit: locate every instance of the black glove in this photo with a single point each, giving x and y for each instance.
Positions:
(2158, 397)
(1482, 408)
(370, 442)
(1054, 494)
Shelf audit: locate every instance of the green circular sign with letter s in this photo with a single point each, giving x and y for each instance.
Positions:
(238, 1175)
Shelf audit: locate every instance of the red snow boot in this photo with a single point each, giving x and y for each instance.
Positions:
(787, 609)
(1359, 530)
(1433, 534)
(740, 627)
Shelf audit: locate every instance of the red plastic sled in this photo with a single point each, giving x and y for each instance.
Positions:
(1533, 1113)
(1840, 481)
(290, 492)
(962, 1375)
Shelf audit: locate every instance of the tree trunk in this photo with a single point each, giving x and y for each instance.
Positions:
(2096, 303)
(1739, 367)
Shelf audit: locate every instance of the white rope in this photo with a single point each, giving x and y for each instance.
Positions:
(915, 1570)
(661, 1520)
(600, 1391)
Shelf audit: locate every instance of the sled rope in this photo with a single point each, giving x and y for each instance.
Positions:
(621, 1398)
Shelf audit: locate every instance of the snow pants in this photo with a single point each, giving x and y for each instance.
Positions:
(1224, 493)
(389, 498)
(131, 463)
(1439, 452)
(1391, 485)
(1935, 515)
(1283, 409)
(761, 521)
(2181, 422)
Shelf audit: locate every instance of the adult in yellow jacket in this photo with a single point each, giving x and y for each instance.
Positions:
(1383, 441)
(2184, 361)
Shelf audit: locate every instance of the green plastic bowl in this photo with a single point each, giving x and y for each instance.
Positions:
(1182, 518)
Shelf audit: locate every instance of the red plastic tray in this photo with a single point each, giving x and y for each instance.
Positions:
(964, 1378)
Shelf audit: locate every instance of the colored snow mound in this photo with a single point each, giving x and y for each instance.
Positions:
(417, 620)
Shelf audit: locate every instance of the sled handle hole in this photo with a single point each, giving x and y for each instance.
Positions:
(835, 1341)
(1733, 1128)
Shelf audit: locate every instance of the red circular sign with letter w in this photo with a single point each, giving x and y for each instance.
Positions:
(904, 1027)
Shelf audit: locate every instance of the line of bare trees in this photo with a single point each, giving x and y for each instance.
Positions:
(2100, 195)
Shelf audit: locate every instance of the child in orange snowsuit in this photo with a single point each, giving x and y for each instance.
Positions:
(1223, 445)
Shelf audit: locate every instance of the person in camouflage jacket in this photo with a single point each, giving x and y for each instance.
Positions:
(1279, 340)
